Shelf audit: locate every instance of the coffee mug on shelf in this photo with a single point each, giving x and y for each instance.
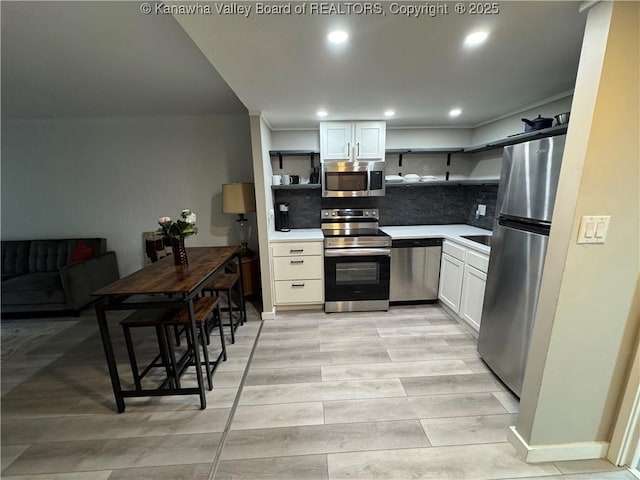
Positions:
(286, 179)
(295, 179)
(276, 180)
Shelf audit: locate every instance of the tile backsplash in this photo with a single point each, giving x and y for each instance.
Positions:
(482, 195)
(402, 205)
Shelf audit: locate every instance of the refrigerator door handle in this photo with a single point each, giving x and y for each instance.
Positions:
(525, 225)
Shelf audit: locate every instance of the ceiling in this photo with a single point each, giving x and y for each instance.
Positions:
(90, 59)
(105, 58)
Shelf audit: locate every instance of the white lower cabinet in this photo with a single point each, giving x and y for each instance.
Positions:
(473, 285)
(463, 277)
(450, 288)
(298, 273)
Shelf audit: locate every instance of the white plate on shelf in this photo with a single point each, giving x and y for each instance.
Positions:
(428, 178)
(393, 179)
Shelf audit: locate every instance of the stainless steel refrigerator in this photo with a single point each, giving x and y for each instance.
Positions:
(526, 196)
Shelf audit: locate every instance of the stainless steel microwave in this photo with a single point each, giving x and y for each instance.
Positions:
(353, 179)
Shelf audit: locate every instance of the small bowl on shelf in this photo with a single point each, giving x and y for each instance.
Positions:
(411, 178)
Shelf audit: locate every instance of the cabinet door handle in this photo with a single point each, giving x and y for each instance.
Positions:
(358, 144)
(296, 261)
(296, 250)
(297, 284)
(348, 149)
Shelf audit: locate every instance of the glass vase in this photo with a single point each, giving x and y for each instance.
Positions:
(179, 252)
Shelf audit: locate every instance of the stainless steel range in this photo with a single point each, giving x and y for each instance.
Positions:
(357, 261)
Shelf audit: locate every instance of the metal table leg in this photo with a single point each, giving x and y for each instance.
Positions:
(196, 355)
(110, 356)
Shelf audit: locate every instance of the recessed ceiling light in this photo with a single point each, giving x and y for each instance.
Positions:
(322, 113)
(389, 113)
(338, 36)
(455, 112)
(476, 38)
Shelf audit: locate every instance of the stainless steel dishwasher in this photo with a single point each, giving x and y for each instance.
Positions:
(415, 269)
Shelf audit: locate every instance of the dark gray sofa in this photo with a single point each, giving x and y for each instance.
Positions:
(47, 275)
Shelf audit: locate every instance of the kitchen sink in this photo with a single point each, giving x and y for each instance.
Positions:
(483, 239)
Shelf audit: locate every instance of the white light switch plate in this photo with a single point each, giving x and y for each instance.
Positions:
(593, 228)
(482, 209)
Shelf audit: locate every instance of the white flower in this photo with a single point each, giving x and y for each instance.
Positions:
(183, 227)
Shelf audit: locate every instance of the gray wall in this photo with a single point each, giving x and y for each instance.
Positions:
(113, 177)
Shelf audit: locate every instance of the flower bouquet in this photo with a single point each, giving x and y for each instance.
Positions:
(176, 231)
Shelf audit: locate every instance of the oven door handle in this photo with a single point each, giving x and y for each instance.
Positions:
(358, 252)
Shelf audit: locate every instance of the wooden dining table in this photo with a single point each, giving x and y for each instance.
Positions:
(162, 285)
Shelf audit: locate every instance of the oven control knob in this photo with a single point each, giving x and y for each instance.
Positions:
(333, 214)
(366, 214)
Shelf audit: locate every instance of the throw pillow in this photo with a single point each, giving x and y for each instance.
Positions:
(80, 253)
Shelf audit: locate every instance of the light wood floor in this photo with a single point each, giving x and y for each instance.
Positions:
(383, 395)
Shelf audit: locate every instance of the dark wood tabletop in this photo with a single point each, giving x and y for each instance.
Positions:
(164, 277)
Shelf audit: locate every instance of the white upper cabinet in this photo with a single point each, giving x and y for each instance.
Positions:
(349, 141)
(336, 140)
(369, 139)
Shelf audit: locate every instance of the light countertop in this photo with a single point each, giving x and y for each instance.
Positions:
(298, 235)
(448, 232)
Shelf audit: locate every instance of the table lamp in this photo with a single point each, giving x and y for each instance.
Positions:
(240, 198)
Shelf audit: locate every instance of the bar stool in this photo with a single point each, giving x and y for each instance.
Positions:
(206, 313)
(225, 284)
(205, 308)
(155, 319)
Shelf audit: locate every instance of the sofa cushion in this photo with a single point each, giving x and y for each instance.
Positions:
(48, 255)
(34, 288)
(52, 255)
(15, 258)
(80, 252)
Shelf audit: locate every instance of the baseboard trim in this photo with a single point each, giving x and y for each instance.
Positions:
(318, 307)
(269, 315)
(556, 452)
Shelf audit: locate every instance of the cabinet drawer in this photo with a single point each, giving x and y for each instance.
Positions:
(297, 249)
(454, 250)
(477, 260)
(299, 291)
(293, 268)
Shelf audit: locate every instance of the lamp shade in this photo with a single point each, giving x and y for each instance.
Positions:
(238, 198)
